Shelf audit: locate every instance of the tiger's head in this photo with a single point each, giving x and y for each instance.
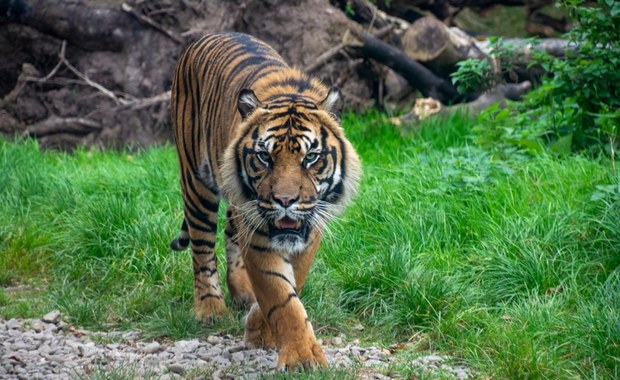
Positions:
(289, 168)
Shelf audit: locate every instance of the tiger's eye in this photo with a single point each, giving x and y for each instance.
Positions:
(264, 157)
(311, 158)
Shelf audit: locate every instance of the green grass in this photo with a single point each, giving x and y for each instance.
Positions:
(511, 266)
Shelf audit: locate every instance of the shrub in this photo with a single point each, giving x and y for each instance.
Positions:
(577, 105)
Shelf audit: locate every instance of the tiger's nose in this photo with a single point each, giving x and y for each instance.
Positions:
(285, 200)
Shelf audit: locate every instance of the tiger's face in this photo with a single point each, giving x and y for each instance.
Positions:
(290, 169)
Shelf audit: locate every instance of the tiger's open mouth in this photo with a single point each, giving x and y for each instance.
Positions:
(287, 226)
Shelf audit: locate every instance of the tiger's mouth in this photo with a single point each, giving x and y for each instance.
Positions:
(287, 226)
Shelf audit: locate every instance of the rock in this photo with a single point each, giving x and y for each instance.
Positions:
(37, 325)
(217, 375)
(238, 357)
(51, 317)
(177, 368)
(187, 345)
(234, 349)
(221, 361)
(212, 339)
(337, 341)
(151, 348)
(13, 324)
(62, 325)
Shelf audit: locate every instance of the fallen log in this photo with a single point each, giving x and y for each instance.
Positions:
(75, 126)
(440, 48)
(429, 107)
(420, 77)
(91, 28)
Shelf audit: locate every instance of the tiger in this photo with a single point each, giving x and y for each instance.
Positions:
(266, 138)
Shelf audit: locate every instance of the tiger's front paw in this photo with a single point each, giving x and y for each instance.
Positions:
(209, 309)
(306, 354)
(257, 332)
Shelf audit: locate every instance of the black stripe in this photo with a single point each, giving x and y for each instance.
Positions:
(211, 260)
(211, 206)
(198, 227)
(198, 252)
(259, 249)
(261, 233)
(280, 275)
(247, 191)
(206, 269)
(275, 307)
(203, 243)
(300, 84)
(190, 158)
(200, 216)
(208, 295)
(255, 61)
(262, 72)
(194, 93)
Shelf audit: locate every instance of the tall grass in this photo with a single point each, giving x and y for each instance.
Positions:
(509, 265)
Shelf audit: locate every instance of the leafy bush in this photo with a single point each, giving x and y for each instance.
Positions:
(577, 106)
(476, 75)
(584, 91)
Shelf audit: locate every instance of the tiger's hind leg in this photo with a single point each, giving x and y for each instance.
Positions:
(201, 205)
(237, 279)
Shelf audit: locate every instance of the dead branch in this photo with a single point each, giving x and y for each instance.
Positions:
(83, 77)
(150, 22)
(137, 104)
(89, 82)
(323, 58)
(367, 13)
(127, 101)
(55, 125)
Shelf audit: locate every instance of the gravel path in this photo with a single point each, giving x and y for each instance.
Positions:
(49, 348)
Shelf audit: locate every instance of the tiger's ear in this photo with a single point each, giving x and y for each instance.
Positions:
(247, 102)
(333, 102)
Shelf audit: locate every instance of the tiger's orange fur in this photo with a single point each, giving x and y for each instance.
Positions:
(267, 138)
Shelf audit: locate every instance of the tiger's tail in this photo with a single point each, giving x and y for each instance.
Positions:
(182, 241)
